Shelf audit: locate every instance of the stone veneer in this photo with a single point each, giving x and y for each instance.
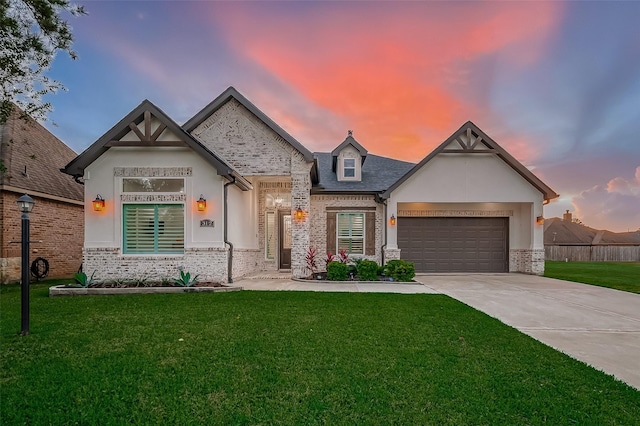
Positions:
(109, 264)
(318, 219)
(245, 261)
(528, 261)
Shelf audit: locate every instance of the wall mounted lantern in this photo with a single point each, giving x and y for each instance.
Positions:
(202, 203)
(98, 203)
(392, 220)
(298, 214)
(540, 220)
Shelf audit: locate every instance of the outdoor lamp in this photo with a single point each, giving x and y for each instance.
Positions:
(98, 203)
(202, 203)
(540, 220)
(299, 213)
(392, 220)
(25, 203)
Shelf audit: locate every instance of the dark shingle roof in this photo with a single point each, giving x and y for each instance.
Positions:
(25, 143)
(378, 174)
(560, 232)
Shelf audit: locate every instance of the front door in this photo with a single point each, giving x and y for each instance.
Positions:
(284, 240)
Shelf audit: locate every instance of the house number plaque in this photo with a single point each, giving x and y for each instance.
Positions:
(207, 223)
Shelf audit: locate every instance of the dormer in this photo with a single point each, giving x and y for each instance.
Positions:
(348, 159)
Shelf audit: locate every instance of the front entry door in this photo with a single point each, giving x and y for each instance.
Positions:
(284, 240)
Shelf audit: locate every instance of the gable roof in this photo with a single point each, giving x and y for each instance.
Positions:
(350, 140)
(230, 93)
(143, 112)
(377, 175)
(564, 232)
(476, 137)
(33, 156)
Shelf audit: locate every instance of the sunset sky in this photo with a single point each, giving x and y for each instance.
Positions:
(556, 84)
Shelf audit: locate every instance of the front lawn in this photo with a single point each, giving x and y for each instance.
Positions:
(623, 276)
(287, 358)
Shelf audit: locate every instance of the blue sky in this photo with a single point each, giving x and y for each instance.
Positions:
(557, 84)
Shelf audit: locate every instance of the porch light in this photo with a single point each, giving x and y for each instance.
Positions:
(98, 203)
(299, 214)
(392, 220)
(540, 220)
(202, 203)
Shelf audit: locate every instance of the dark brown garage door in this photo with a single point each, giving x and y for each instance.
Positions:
(455, 244)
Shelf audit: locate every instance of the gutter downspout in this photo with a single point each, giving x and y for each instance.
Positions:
(226, 226)
(378, 199)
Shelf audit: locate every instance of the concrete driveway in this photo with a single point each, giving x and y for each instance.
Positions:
(593, 324)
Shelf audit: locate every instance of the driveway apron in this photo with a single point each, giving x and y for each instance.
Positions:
(597, 325)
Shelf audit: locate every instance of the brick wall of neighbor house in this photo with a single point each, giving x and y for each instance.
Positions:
(528, 261)
(109, 265)
(58, 225)
(318, 219)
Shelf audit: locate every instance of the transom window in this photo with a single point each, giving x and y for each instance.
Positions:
(149, 184)
(349, 167)
(153, 228)
(351, 232)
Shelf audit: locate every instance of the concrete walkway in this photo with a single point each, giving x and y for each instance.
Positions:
(593, 324)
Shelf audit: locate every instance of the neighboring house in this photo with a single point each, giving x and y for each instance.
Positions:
(31, 158)
(565, 239)
(468, 206)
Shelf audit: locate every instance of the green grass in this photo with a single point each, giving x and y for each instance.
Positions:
(287, 358)
(623, 276)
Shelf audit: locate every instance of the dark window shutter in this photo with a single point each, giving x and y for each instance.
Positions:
(370, 235)
(331, 232)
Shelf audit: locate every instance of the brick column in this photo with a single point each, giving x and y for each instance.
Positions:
(300, 229)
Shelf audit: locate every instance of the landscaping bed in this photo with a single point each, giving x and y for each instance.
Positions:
(97, 290)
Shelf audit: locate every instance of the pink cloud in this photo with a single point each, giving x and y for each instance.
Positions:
(389, 70)
(614, 206)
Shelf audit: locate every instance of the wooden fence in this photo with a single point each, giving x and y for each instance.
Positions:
(588, 253)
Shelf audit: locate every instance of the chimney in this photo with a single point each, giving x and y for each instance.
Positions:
(567, 216)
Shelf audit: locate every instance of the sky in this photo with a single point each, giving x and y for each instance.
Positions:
(557, 84)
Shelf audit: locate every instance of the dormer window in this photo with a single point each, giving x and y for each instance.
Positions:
(349, 167)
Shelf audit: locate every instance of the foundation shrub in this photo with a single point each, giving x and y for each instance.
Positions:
(400, 270)
(367, 270)
(337, 271)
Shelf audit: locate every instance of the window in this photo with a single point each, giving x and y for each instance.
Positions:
(351, 232)
(146, 184)
(153, 228)
(349, 167)
(270, 235)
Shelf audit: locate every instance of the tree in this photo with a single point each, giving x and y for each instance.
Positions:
(31, 33)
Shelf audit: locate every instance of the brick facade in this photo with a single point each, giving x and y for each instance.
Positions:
(527, 261)
(56, 230)
(318, 219)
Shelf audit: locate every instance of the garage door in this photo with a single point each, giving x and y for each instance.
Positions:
(455, 244)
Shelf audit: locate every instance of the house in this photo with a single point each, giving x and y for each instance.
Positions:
(31, 160)
(570, 240)
(231, 193)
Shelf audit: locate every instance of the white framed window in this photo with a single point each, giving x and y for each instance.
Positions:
(150, 184)
(153, 228)
(270, 235)
(349, 167)
(350, 232)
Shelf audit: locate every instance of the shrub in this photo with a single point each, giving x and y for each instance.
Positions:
(328, 259)
(367, 270)
(82, 280)
(312, 263)
(400, 270)
(337, 271)
(185, 280)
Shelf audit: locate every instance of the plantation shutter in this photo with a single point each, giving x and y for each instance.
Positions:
(331, 232)
(150, 228)
(370, 238)
(351, 232)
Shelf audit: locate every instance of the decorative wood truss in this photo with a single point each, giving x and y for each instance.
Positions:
(474, 144)
(147, 138)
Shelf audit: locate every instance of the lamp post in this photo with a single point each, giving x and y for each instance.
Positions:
(25, 203)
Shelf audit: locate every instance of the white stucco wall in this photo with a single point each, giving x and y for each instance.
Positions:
(103, 229)
(243, 218)
(471, 185)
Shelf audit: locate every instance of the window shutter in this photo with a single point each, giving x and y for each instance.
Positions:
(331, 232)
(170, 229)
(152, 228)
(370, 237)
(139, 229)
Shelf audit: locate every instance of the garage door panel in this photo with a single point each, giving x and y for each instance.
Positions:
(455, 244)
